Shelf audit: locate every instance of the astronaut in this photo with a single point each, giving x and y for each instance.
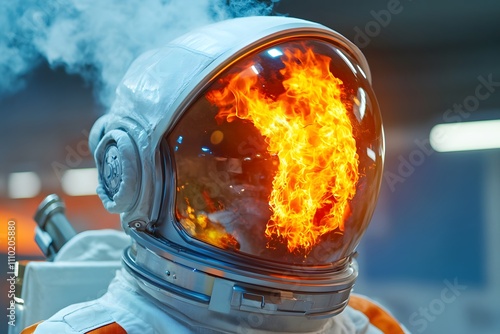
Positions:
(245, 160)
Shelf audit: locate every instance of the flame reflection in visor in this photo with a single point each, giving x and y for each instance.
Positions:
(306, 126)
(267, 160)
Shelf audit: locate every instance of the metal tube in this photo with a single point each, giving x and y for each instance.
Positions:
(50, 217)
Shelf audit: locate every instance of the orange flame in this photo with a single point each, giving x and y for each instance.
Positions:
(207, 230)
(308, 128)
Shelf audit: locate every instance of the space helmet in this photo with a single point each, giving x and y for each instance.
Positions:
(245, 160)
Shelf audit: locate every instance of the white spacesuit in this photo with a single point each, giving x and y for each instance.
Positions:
(245, 160)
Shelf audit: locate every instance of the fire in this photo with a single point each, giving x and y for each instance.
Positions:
(206, 230)
(307, 127)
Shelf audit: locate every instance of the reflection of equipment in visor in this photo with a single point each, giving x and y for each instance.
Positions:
(205, 229)
(307, 127)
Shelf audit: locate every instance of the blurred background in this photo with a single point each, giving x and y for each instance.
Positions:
(432, 252)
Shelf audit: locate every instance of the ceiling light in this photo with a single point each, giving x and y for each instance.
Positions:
(466, 136)
(80, 182)
(24, 185)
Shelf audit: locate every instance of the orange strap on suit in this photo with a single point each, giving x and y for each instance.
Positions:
(112, 328)
(378, 317)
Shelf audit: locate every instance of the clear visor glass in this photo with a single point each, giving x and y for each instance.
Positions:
(281, 157)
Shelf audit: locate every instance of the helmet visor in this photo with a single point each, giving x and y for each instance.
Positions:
(280, 158)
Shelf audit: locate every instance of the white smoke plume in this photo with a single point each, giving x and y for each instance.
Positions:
(98, 39)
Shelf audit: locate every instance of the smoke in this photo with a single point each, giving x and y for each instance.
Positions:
(98, 39)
